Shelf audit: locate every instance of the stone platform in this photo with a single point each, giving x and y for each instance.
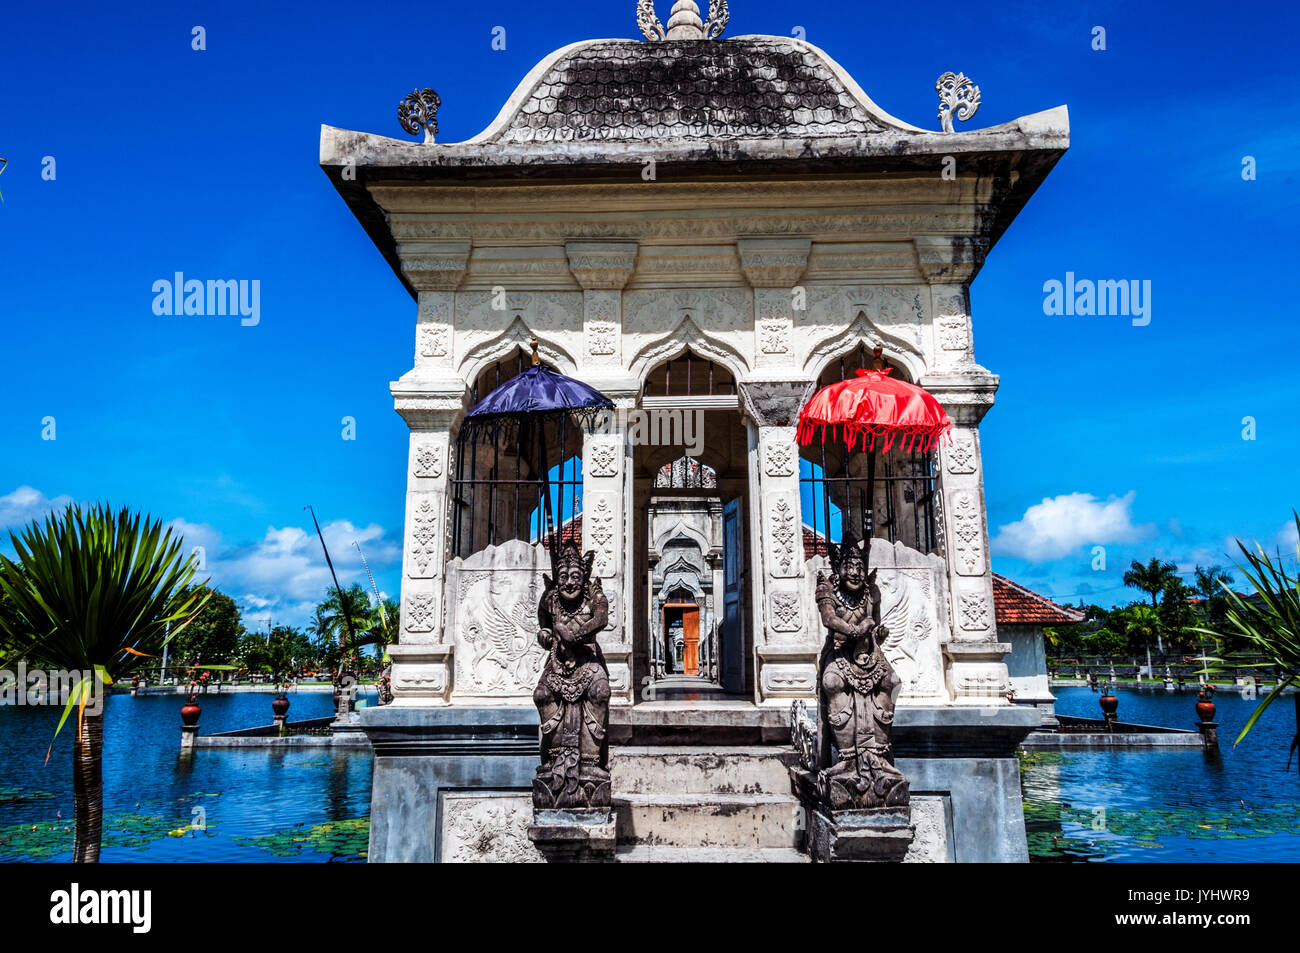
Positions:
(453, 784)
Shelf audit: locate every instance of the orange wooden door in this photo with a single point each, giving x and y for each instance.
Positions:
(691, 640)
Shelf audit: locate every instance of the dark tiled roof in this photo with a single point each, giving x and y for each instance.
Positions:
(1016, 605)
(751, 88)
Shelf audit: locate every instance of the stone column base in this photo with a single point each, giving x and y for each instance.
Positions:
(421, 675)
(879, 836)
(977, 674)
(574, 836)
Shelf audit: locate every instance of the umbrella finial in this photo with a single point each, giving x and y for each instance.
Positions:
(877, 361)
(537, 358)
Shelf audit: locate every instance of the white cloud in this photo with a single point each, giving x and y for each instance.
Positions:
(26, 504)
(1060, 525)
(1287, 537)
(283, 575)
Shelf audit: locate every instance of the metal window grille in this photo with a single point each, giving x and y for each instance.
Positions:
(833, 484)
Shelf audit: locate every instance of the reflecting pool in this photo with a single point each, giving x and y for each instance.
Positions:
(1174, 805)
(250, 805)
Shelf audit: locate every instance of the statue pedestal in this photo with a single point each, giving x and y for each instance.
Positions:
(881, 835)
(575, 835)
(870, 835)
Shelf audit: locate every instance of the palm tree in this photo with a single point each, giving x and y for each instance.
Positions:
(1269, 621)
(1209, 584)
(1141, 622)
(94, 594)
(1153, 579)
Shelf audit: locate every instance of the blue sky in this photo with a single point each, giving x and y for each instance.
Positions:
(169, 159)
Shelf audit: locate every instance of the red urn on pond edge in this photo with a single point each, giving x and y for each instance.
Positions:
(1205, 708)
(280, 705)
(190, 712)
(1109, 703)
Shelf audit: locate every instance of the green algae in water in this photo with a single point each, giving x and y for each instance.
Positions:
(1146, 828)
(20, 795)
(47, 839)
(348, 839)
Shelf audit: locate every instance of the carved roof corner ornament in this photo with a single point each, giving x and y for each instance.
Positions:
(419, 110)
(684, 21)
(957, 94)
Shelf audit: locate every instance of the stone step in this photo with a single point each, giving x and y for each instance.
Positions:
(685, 770)
(643, 854)
(708, 820)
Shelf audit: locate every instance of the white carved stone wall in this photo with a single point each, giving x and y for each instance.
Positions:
(492, 620)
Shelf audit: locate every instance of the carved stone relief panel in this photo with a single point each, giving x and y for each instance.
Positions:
(785, 543)
(973, 611)
(967, 533)
(960, 456)
(492, 619)
(787, 679)
(433, 325)
(780, 458)
(600, 526)
(425, 545)
(421, 612)
(487, 827)
(430, 458)
(603, 457)
(784, 611)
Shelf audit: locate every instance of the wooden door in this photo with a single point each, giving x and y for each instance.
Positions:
(691, 640)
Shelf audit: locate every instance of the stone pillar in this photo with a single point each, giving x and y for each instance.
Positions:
(431, 400)
(786, 653)
(974, 660)
(602, 269)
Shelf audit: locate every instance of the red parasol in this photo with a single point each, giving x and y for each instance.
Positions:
(868, 406)
(873, 405)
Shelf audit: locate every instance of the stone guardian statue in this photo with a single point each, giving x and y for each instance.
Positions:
(572, 695)
(857, 689)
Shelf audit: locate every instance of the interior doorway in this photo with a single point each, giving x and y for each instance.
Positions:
(681, 628)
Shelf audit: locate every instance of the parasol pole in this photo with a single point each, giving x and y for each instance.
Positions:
(869, 513)
(543, 486)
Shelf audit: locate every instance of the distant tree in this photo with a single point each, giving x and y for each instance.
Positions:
(1106, 642)
(213, 637)
(1140, 625)
(1211, 585)
(1152, 578)
(1178, 619)
(373, 624)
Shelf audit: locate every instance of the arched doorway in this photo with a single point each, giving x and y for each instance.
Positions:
(690, 458)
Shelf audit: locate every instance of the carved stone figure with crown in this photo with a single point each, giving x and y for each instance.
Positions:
(857, 688)
(572, 695)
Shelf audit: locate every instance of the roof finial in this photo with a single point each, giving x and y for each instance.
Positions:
(537, 358)
(684, 22)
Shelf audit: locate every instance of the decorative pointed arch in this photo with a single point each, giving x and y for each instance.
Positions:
(684, 531)
(688, 335)
(862, 331)
(516, 336)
